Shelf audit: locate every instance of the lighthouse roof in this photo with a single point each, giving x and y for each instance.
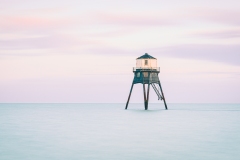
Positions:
(146, 56)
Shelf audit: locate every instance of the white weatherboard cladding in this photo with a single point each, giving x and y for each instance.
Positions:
(152, 63)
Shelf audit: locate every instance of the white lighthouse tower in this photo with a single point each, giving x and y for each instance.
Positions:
(146, 72)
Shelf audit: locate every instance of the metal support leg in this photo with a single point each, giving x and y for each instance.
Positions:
(145, 99)
(129, 96)
(163, 95)
(148, 94)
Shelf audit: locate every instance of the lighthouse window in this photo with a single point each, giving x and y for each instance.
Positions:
(138, 74)
(145, 74)
(146, 62)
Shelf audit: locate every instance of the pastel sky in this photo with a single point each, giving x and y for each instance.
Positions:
(83, 51)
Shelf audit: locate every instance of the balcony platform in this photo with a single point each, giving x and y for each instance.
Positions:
(146, 69)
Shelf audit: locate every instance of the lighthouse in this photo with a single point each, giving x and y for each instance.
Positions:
(146, 73)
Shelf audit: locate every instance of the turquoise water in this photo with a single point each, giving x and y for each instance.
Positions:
(107, 131)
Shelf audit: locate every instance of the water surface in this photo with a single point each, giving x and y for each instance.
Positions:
(107, 131)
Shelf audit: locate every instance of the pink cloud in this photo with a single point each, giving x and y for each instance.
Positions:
(159, 18)
(234, 33)
(228, 54)
(19, 23)
(61, 43)
(222, 16)
(165, 17)
(136, 19)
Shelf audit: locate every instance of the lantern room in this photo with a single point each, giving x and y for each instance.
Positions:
(146, 62)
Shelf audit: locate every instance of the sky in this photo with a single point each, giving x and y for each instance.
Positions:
(78, 51)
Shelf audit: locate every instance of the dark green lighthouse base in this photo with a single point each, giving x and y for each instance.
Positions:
(147, 76)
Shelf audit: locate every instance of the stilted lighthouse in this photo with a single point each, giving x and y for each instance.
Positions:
(146, 72)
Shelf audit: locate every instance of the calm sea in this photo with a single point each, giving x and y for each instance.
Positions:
(107, 131)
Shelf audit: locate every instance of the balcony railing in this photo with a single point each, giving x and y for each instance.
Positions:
(146, 69)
